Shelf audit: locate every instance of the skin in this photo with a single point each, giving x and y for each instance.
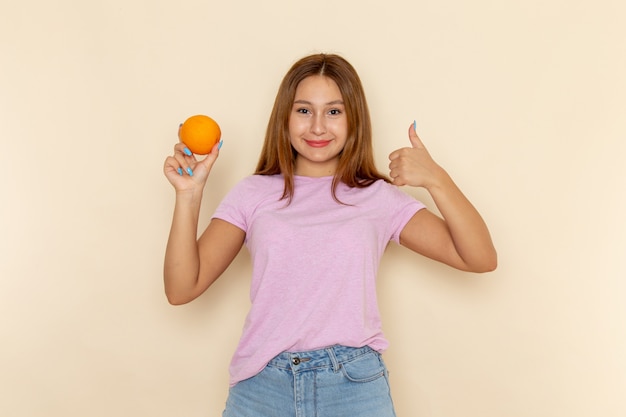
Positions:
(460, 239)
(318, 132)
(318, 126)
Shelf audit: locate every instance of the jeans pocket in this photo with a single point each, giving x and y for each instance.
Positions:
(365, 368)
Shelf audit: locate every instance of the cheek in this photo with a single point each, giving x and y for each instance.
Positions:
(298, 129)
(295, 126)
(340, 128)
(291, 129)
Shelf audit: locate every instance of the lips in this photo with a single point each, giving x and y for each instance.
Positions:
(317, 143)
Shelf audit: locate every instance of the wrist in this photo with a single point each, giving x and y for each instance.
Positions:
(190, 196)
(441, 181)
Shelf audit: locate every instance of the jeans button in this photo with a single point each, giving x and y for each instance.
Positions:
(295, 361)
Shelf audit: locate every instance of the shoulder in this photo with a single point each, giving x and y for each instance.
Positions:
(256, 187)
(388, 195)
(246, 196)
(382, 188)
(255, 182)
(382, 185)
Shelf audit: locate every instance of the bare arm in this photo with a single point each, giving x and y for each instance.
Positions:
(459, 239)
(192, 265)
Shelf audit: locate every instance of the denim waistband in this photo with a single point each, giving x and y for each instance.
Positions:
(328, 357)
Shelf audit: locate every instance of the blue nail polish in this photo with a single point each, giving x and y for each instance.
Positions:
(415, 126)
(180, 171)
(187, 152)
(219, 146)
(189, 171)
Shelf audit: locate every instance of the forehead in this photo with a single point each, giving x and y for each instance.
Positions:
(318, 86)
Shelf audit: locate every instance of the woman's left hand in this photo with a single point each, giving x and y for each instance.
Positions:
(460, 238)
(414, 166)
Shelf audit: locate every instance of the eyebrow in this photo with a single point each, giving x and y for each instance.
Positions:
(330, 103)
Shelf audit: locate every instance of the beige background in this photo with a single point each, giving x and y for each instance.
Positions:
(522, 101)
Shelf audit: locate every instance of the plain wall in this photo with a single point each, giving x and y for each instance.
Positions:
(523, 102)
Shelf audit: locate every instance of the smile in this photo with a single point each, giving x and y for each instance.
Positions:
(317, 143)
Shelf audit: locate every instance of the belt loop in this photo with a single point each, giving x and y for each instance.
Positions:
(333, 359)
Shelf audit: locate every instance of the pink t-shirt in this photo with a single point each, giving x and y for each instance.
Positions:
(314, 264)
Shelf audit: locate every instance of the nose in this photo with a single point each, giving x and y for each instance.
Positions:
(318, 126)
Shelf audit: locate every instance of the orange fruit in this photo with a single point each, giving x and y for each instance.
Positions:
(200, 133)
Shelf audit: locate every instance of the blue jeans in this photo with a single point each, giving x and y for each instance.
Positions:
(337, 381)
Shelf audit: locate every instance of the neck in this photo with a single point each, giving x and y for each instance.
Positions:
(307, 169)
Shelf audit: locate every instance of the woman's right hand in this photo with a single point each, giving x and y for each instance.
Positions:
(185, 172)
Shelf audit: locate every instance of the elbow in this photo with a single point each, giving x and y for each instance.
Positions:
(176, 301)
(488, 264)
(489, 267)
(178, 289)
(493, 262)
(177, 298)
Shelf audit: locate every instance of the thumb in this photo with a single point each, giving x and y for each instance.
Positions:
(415, 140)
(212, 156)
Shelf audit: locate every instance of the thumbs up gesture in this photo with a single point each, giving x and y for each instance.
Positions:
(413, 165)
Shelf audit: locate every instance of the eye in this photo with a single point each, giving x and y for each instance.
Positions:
(334, 112)
(302, 110)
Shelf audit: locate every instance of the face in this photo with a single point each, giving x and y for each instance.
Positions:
(318, 126)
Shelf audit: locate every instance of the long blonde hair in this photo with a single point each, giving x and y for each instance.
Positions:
(356, 166)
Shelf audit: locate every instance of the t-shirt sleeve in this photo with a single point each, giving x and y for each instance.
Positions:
(233, 207)
(404, 208)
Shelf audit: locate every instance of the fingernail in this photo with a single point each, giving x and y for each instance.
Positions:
(189, 171)
(187, 152)
(219, 146)
(414, 125)
(180, 171)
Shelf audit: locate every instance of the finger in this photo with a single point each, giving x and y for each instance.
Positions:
(213, 155)
(395, 172)
(180, 147)
(398, 180)
(394, 163)
(415, 140)
(172, 166)
(186, 160)
(398, 153)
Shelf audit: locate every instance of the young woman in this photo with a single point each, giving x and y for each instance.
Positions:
(316, 217)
